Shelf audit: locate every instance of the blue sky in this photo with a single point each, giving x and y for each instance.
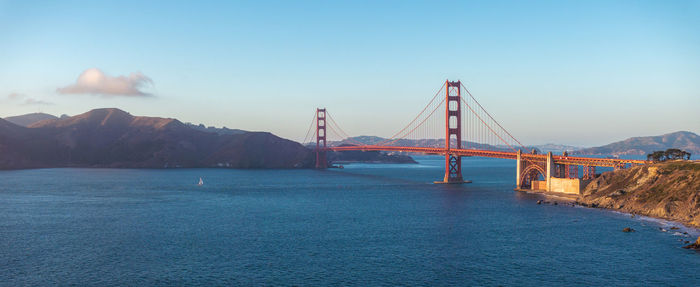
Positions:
(573, 72)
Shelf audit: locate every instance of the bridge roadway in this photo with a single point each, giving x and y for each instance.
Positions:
(558, 159)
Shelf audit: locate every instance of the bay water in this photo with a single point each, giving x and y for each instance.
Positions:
(363, 225)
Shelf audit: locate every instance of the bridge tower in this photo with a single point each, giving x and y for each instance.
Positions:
(453, 127)
(321, 138)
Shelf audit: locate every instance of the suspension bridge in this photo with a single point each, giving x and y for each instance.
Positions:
(454, 124)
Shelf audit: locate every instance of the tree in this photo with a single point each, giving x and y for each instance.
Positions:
(657, 156)
(672, 153)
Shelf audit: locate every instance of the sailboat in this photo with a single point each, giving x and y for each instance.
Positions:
(201, 182)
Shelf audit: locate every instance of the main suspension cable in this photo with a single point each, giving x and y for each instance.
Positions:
(342, 133)
(384, 142)
(309, 130)
(416, 127)
(489, 115)
(487, 125)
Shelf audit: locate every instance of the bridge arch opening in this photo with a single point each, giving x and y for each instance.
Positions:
(532, 172)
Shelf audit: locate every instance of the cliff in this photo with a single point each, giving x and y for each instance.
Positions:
(669, 190)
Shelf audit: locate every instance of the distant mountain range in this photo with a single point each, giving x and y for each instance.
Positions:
(33, 118)
(30, 119)
(556, 148)
(114, 138)
(370, 140)
(683, 140)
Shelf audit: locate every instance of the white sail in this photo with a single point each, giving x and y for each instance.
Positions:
(200, 181)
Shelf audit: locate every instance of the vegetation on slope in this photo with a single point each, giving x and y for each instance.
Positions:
(669, 154)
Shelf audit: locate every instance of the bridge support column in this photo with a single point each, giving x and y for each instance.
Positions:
(321, 161)
(453, 127)
(548, 176)
(518, 169)
(588, 172)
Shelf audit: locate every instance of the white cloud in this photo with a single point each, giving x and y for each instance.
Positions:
(27, 101)
(35, 102)
(94, 81)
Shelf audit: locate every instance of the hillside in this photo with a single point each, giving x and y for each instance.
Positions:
(683, 140)
(30, 119)
(114, 138)
(669, 190)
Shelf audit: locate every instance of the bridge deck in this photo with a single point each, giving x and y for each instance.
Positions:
(559, 159)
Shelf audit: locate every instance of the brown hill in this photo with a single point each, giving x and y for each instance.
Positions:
(669, 190)
(114, 138)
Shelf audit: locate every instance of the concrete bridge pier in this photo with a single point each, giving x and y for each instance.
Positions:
(553, 181)
(518, 169)
(548, 177)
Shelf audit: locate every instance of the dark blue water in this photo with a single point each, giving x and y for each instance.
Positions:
(362, 225)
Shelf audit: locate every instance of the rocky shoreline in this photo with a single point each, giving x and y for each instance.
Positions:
(671, 226)
(668, 191)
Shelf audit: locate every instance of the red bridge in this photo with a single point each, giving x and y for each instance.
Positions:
(471, 131)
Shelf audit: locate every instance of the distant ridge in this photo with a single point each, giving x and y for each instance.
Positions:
(30, 119)
(556, 148)
(108, 117)
(370, 140)
(114, 138)
(683, 140)
(221, 131)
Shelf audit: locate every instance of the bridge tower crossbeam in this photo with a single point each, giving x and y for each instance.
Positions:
(321, 161)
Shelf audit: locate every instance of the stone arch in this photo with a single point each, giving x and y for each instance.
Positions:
(531, 169)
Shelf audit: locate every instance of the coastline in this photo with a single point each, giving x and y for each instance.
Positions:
(667, 190)
(686, 223)
(686, 230)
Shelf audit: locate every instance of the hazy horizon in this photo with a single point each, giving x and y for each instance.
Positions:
(574, 73)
